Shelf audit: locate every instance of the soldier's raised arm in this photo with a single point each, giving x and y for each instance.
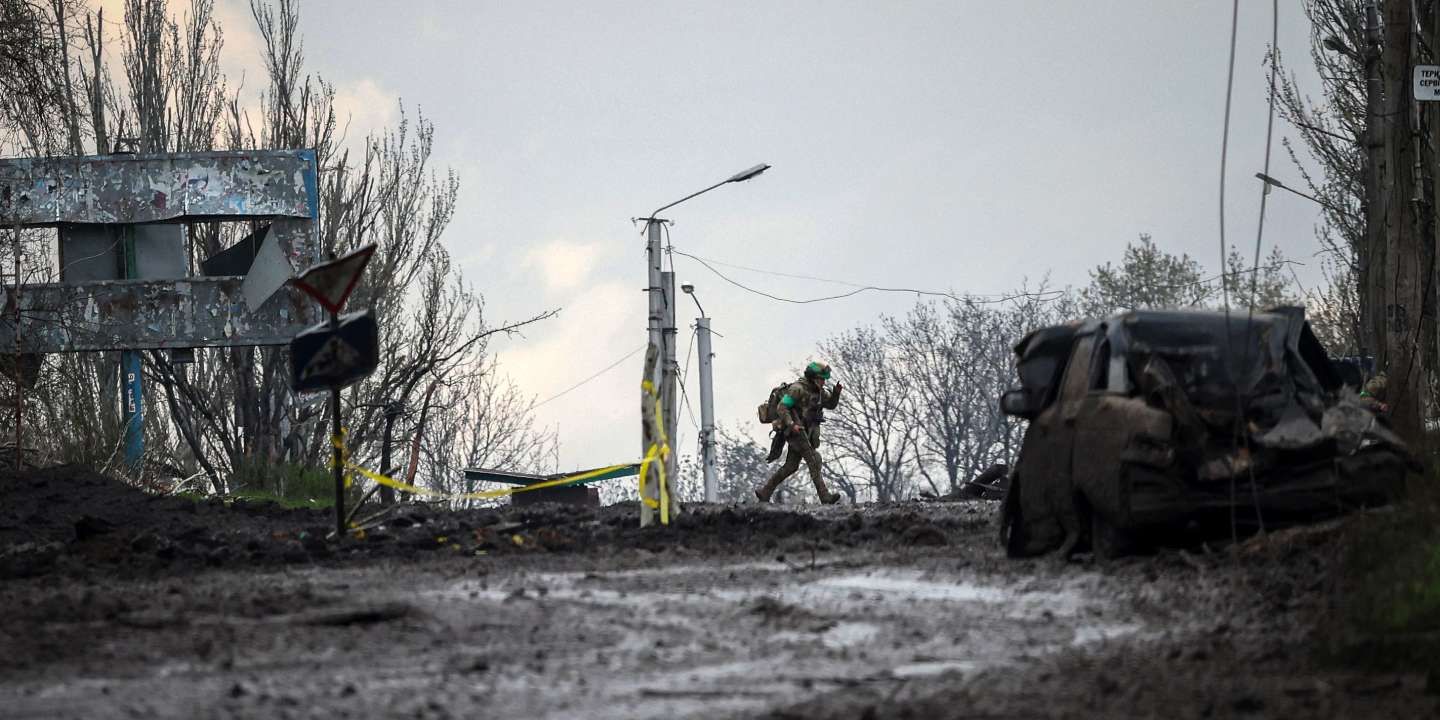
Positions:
(832, 398)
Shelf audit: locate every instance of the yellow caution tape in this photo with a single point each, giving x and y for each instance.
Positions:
(338, 441)
(657, 454)
(658, 451)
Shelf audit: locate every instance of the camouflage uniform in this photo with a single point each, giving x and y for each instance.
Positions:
(803, 405)
(1374, 396)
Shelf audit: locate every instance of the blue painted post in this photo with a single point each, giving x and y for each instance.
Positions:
(134, 387)
(134, 393)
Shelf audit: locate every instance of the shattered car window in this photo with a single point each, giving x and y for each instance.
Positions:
(1042, 356)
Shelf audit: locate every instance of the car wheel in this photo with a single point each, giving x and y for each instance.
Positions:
(1012, 521)
(1108, 542)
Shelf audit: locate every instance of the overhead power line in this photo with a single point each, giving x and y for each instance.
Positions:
(1045, 295)
(576, 386)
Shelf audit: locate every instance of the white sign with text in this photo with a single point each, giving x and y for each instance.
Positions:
(1427, 82)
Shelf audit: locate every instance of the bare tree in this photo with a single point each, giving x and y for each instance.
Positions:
(942, 356)
(232, 409)
(875, 427)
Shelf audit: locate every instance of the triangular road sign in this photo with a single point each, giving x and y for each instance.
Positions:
(332, 282)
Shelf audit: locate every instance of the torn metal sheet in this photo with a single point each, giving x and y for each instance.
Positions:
(293, 238)
(150, 314)
(158, 188)
(269, 271)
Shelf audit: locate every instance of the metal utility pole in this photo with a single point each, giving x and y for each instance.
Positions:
(131, 374)
(707, 398)
(661, 327)
(337, 454)
(393, 410)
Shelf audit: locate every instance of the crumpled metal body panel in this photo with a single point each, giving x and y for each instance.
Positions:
(1181, 409)
(123, 189)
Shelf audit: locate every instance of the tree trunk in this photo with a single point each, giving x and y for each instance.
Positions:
(1405, 259)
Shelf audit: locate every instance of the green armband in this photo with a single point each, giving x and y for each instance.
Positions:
(787, 401)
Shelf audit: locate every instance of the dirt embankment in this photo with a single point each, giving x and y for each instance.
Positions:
(71, 520)
(120, 604)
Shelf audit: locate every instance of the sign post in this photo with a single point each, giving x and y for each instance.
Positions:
(131, 374)
(337, 449)
(336, 353)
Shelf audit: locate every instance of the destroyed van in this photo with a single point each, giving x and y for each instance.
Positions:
(1151, 424)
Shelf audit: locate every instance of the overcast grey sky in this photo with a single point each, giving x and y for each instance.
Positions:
(947, 145)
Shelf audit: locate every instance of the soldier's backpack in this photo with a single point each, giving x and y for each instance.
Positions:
(769, 411)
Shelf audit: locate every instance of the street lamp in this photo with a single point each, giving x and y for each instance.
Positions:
(689, 289)
(1334, 44)
(741, 176)
(1276, 183)
(661, 326)
(707, 398)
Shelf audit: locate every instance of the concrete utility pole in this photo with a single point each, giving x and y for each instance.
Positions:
(707, 398)
(661, 326)
(669, 376)
(656, 328)
(707, 409)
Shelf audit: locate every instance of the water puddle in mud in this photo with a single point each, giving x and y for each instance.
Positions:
(918, 589)
(1100, 633)
(719, 585)
(937, 667)
(783, 628)
(849, 634)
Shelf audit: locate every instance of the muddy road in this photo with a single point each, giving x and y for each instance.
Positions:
(125, 605)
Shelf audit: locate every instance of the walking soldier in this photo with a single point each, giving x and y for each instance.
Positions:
(796, 415)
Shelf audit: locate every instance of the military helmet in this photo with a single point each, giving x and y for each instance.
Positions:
(817, 369)
(1376, 387)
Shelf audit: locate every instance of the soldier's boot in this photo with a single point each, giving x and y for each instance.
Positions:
(764, 492)
(826, 497)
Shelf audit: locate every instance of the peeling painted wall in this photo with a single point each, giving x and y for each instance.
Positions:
(149, 315)
(158, 188)
(118, 190)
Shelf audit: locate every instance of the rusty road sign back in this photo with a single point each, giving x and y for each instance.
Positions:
(326, 358)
